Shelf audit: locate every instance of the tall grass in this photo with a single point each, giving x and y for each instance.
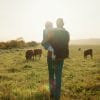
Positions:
(28, 80)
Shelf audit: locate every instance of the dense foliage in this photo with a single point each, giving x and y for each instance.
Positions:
(16, 44)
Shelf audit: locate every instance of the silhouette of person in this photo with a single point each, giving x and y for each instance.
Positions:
(59, 41)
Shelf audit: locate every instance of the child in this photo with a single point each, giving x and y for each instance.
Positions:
(47, 32)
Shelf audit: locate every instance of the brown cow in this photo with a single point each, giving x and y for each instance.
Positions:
(37, 52)
(29, 54)
(33, 54)
(88, 52)
(79, 49)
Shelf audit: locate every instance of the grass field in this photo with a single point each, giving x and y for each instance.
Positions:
(28, 80)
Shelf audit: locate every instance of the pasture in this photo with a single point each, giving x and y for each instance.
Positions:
(28, 80)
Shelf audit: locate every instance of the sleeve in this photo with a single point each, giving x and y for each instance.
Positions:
(45, 41)
(68, 37)
(43, 38)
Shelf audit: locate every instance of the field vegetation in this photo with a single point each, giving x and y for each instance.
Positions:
(28, 80)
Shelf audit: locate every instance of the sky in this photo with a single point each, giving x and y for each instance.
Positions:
(26, 18)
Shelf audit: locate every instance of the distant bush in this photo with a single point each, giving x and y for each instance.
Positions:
(2, 45)
(32, 43)
(16, 44)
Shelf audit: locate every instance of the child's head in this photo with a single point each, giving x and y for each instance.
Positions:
(48, 25)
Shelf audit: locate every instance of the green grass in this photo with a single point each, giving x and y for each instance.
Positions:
(28, 80)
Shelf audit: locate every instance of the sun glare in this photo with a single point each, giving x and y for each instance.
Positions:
(27, 18)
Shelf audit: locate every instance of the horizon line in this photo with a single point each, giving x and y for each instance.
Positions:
(41, 40)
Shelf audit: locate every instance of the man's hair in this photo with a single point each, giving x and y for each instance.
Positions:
(59, 22)
(48, 25)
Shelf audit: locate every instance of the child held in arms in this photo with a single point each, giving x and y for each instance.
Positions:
(47, 34)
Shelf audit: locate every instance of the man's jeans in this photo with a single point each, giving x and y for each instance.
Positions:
(55, 74)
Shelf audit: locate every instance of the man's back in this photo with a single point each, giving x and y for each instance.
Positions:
(59, 42)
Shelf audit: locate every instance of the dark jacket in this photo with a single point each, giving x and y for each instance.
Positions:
(60, 43)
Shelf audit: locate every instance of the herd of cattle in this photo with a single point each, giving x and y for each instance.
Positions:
(32, 54)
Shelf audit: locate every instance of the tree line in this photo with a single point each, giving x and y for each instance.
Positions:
(17, 44)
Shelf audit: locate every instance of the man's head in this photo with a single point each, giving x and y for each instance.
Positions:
(60, 23)
(48, 25)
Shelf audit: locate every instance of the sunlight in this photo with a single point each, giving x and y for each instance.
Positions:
(47, 10)
(27, 18)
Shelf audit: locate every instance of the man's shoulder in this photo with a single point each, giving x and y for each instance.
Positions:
(56, 30)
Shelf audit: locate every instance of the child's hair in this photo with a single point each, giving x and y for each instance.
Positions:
(48, 25)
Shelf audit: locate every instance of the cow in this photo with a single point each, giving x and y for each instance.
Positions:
(29, 54)
(37, 52)
(79, 49)
(33, 54)
(88, 52)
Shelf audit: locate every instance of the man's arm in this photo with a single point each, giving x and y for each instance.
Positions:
(68, 37)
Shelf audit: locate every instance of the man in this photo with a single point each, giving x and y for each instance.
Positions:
(59, 40)
(60, 43)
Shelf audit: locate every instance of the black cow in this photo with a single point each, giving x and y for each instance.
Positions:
(33, 54)
(88, 52)
(29, 54)
(37, 52)
(79, 49)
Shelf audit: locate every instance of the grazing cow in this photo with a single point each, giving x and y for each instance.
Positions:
(79, 49)
(88, 52)
(29, 54)
(37, 52)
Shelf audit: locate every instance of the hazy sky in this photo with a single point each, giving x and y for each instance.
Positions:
(26, 18)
